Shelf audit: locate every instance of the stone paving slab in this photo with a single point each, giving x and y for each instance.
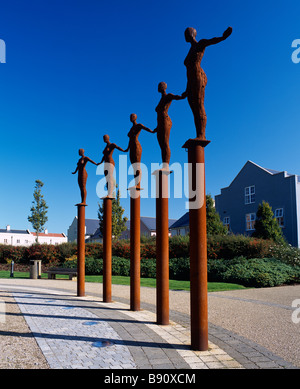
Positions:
(236, 351)
(83, 333)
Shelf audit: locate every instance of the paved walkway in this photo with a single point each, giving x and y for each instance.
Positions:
(84, 332)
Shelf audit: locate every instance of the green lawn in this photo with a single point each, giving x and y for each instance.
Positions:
(149, 282)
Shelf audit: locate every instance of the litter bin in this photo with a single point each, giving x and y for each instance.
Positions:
(35, 269)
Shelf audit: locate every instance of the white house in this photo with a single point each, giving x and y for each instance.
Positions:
(27, 238)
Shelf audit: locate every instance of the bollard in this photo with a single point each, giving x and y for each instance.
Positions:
(12, 269)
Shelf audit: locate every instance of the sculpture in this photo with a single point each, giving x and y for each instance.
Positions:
(109, 164)
(196, 78)
(135, 148)
(82, 174)
(164, 122)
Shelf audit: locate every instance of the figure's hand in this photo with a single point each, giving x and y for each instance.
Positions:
(184, 94)
(227, 32)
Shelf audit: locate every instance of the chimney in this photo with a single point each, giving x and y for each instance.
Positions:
(46, 231)
(8, 228)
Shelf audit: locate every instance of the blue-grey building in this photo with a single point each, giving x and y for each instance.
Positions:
(237, 204)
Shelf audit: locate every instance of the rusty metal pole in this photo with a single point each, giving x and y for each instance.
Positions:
(135, 249)
(81, 250)
(198, 244)
(162, 247)
(107, 248)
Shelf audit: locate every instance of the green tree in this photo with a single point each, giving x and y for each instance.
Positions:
(213, 222)
(38, 217)
(266, 226)
(118, 221)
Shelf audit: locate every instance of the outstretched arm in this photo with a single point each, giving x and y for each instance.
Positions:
(177, 97)
(147, 129)
(213, 41)
(120, 148)
(91, 161)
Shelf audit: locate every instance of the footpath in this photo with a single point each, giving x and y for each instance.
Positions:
(46, 326)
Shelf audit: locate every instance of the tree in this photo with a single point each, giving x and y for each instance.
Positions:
(214, 224)
(118, 221)
(266, 226)
(38, 217)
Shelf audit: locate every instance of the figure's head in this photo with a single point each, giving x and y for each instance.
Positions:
(133, 117)
(162, 86)
(190, 34)
(81, 152)
(106, 138)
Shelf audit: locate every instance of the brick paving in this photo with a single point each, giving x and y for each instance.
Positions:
(82, 333)
(85, 333)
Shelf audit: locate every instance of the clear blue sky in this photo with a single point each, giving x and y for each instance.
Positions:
(76, 70)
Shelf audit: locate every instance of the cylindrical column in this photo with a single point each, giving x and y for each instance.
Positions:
(135, 250)
(81, 250)
(162, 247)
(107, 248)
(198, 245)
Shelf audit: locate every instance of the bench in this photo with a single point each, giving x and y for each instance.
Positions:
(72, 273)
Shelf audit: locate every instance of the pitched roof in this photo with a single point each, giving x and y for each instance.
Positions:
(91, 226)
(14, 231)
(51, 235)
(97, 234)
(271, 171)
(150, 222)
(182, 222)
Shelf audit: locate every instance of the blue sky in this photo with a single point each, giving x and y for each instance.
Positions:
(76, 69)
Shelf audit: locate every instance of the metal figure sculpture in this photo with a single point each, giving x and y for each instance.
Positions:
(164, 123)
(82, 174)
(109, 164)
(135, 148)
(196, 78)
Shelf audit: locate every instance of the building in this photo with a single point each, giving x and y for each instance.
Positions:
(148, 227)
(27, 238)
(91, 226)
(237, 204)
(181, 226)
(93, 234)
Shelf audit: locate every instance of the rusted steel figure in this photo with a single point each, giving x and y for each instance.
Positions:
(196, 78)
(109, 164)
(135, 148)
(82, 174)
(164, 123)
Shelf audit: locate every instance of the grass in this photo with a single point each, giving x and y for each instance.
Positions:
(148, 282)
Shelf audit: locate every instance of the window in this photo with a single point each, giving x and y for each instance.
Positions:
(250, 194)
(226, 222)
(18, 240)
(5, 240)
(250, 221)
(279, 216)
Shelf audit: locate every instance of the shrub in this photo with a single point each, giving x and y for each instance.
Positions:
(232, 246)
(179, 269)
(254, 272)
(148, 267)
(286, 253)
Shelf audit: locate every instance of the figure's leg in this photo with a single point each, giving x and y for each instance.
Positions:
(109, 174)
(200, 118)
(165, 150)
(83, 195)
(137, 175)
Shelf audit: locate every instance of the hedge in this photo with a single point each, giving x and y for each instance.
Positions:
(254, 272)
(218, 247)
